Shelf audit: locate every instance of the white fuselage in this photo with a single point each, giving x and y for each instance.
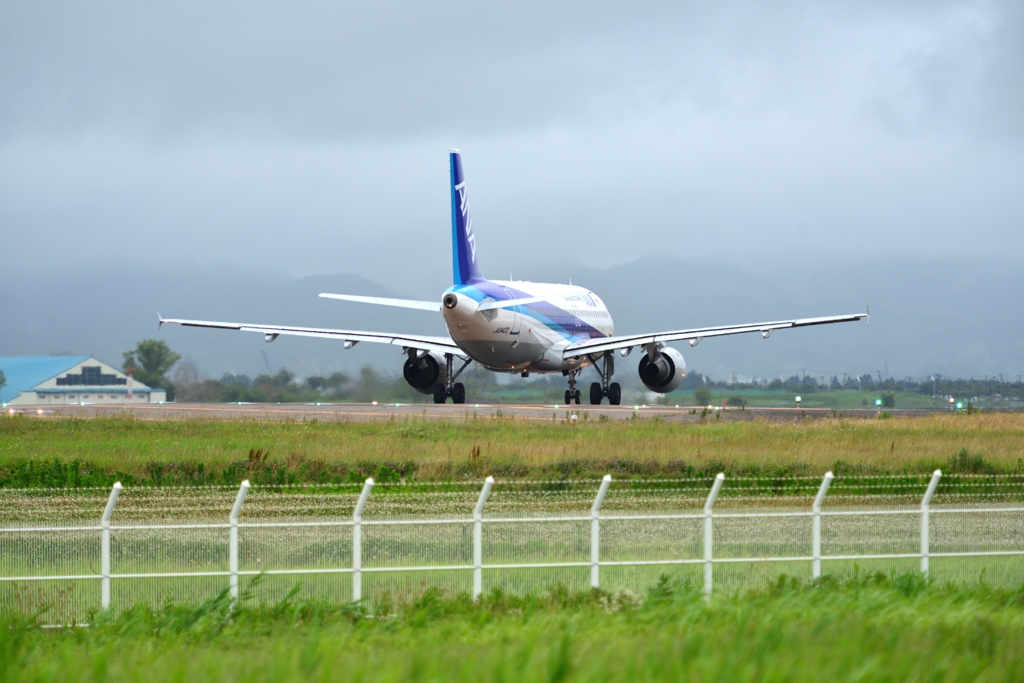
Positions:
(527, 337)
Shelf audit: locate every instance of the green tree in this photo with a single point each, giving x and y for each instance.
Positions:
(149, 362)
(888, 399)
(3, 380)
(702, 396)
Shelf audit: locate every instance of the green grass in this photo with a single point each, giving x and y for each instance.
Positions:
(841, 400)
(870, 627)
(76, 452)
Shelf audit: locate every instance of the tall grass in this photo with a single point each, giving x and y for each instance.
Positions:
(869, 627)
(76, 452)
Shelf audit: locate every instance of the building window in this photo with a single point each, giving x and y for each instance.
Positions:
(91, 376)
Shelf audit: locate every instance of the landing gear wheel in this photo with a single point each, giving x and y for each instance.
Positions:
(595, 394)
(578, 397)
(568, 397)
(459, 393)
(439, 393)
(614, 394)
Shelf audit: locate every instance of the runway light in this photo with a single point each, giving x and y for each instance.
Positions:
(374, 403)
(878, 401)
(39, 411)
(959, 405)
(11, 411)
(677, 405)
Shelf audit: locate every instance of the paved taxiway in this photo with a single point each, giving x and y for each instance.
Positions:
(363, 412)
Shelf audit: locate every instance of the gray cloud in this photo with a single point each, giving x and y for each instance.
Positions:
(311, 138)
(404, 70)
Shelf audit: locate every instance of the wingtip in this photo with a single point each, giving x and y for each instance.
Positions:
(868, 313)
(159, 321)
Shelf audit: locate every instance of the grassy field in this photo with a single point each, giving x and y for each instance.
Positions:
(853, 626)
(866, 628)
(75, 452)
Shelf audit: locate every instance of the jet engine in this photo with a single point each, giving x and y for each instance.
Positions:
(665, 372)
(423, 372)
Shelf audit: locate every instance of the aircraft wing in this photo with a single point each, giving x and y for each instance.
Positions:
(350, 337)
(694, 336)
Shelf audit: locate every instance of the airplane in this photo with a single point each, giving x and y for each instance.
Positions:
(514, 326)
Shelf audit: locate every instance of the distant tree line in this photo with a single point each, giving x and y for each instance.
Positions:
(285, 387)
(937, 386)
(151, 360)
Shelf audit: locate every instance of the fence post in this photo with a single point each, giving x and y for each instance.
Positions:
(108, 512)
(595, 532)
(936, 475)
(357, 542)
(478, 538)
(708, 539)
(816, 522)
(243, 491)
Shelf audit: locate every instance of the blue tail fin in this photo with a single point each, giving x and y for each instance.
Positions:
(464, 264)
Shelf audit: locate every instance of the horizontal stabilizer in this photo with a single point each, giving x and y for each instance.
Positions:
(382, 301)
(491, 304)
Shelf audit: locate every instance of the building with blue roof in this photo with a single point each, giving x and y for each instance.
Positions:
(70, 380)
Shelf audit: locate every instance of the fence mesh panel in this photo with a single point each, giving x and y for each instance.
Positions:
(421, 535)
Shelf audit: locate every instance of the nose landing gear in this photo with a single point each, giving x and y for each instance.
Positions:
(572, 393)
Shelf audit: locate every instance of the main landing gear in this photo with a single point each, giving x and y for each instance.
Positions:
(456, 390)
(599, 390)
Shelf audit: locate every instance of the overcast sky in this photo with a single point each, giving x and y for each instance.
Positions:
(313, 137)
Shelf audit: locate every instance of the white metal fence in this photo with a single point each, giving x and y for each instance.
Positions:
(660, 530)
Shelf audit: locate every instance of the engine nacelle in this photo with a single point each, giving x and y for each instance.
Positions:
(423, 372)
(665, 373)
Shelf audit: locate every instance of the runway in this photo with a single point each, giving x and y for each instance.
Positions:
(369, 412)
